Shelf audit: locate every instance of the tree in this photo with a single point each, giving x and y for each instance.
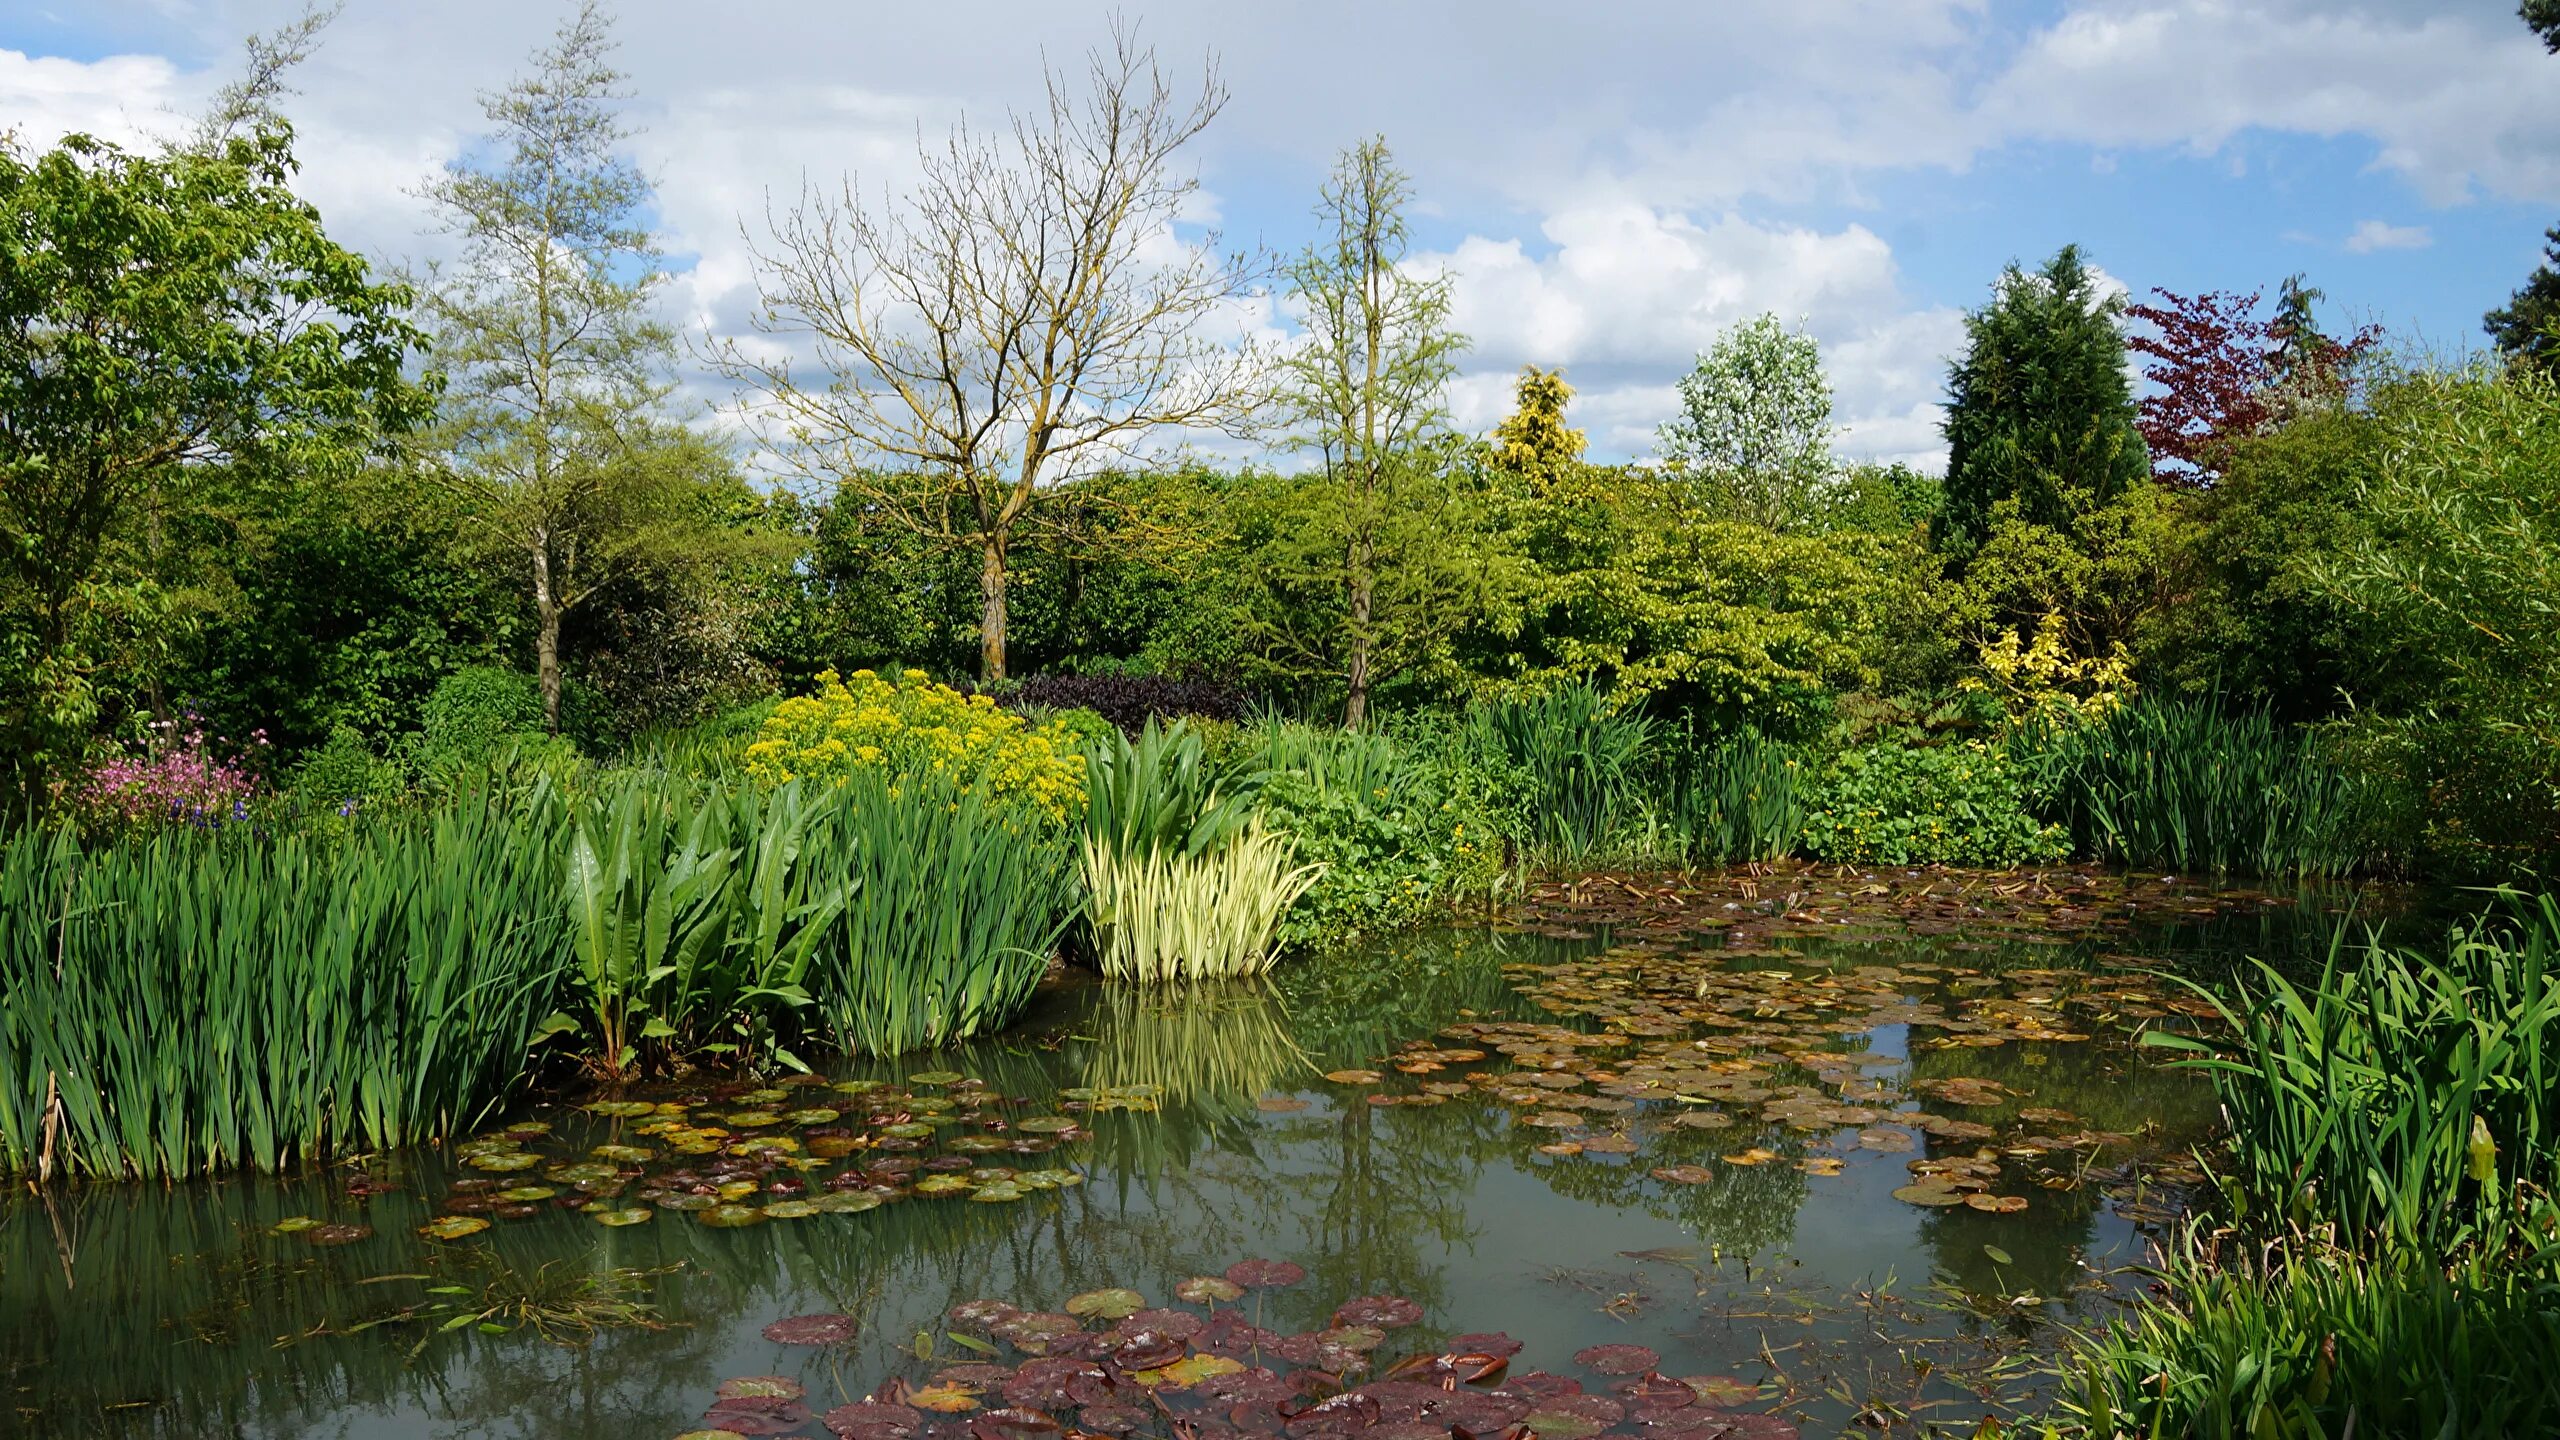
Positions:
(1364, 392)
(2221, 374)
(2039, 412)
(1533, 441)
(2527, 327)
(1027, 314)
(2543, 18)
(162, 319)
(556, 359)
(1753, 437)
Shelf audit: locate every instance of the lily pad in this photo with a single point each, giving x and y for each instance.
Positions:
(730, 1217)
(1929, 1195)
(293, 1225)
(761, 1387)
(1112, 1304)
(1208, 1290)
(616, 1219)
(945, 1399)
(1997, 1204)
(620, 1109)
(1617, 1359)
(453, 1227)
(935, 1077)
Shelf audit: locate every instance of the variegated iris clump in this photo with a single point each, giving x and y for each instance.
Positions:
(912, 726)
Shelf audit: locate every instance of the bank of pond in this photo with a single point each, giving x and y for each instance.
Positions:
(1773, 1150)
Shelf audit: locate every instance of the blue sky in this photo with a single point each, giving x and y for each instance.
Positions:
(1611, 183)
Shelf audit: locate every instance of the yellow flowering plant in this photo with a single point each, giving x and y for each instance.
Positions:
(912, 726)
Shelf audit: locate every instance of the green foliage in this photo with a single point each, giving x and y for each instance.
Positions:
(2412, 1102)
(692, 914)
(2527, 328)
(1163, 914)
(346, 776)
(1729, 803)
(1960, 804)
(1402, 830)
(193, 1004)
(1159, 794)
(474, 715)
(158, 327)
(2453, 568)
(2039, 412)
(2303, 1342)
(953, 907)
(2182, 786)
(1579, 756)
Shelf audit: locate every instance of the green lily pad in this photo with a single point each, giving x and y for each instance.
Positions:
(527, 1194)
(814, 1117)
(1930, 1195)
(730, 1217)
(847, 1202)
(997, 1193)
(505, 1161)
(629, 1215)
(942, 1185)
(935, 1077)
(293, 1225)
(791, 1209)
(854, 1087)
(1208, 1290)
(1044, 1125)
(621, 1109)
(453, 1227)
(906, 1130)
(625, 1154)
(1115, 1303)
(754, 1119)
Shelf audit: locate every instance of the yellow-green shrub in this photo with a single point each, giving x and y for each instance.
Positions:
(911, 726)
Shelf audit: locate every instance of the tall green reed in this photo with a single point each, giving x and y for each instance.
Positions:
(199, 1003)
(1160, 916)
(2181, 785)
(1581, 759)
(953, 906)
(1738, 800)
(1160, 793)
(2406, 1100)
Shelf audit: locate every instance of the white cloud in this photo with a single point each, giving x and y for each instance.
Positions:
(2372, 235)
(127, 99)
(1627, 296)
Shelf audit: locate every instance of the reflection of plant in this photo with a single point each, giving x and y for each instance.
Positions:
(562, 1305)
(1215, 1049)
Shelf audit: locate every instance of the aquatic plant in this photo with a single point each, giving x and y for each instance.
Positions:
(2181, 785)
(952, 907)
(199, 1003)
(1958, 804)
(2305, 1340)
(1740, 800)
(1580, 756)
(1158, 793)
(2408, 1100)
(1161, 915)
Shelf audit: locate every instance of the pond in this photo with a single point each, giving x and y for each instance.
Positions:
(1736, 1155)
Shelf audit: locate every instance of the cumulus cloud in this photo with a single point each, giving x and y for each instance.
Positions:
(2372, 235)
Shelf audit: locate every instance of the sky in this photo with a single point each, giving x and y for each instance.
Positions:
(1609, 184)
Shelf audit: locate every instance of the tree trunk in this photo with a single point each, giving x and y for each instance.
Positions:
(546, 637)
(991, 619)
(1355, 710)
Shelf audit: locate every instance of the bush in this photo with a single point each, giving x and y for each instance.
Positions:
(1396, 849)
(1130, 701)
(475, 713)
(1957, 804)
(910, 727)
(346, 776)
(181, 782)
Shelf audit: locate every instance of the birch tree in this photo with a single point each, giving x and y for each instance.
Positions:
(1028, 312)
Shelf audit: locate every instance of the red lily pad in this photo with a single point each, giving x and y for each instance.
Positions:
(1618, 1359)
(872, 1420)
(1385, 1312)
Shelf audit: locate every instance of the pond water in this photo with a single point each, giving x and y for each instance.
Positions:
(1843, 1153)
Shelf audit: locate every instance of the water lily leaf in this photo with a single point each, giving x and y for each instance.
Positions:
(943, 1185)
(1280, 1104)
(1821, 1165)
(337, 1234)
(848, 1202)
(1208, 1290)
(624, 1154)
(1997, 1204)
(620, 1109)
(1188, 1371)
(1753, 1156)
(1384, 1312)
(754, 1119)
(453, 1227)
(1000, 1193)
(761, 1387)
(527, 1194)
(631, 1215)
(712, 1435)
(1265, 1274)
(791, 1209)
(1722, 1390)
(1111, 1304)
(935, 1077)
(1685, 1174)
(505, 1161)
(945, 1399)
(730, 1217)
(1617, 1359)
(293, 1225)
(1930, 1195)
(1998, 1255)
(1352, 1077)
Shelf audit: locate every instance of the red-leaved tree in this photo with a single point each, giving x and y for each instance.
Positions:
(2222, 373)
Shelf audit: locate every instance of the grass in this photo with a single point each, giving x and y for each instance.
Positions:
(1581, 758)
(2181, 785)
(1738, 801)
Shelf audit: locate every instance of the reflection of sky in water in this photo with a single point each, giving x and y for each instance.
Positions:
(1449, 1205)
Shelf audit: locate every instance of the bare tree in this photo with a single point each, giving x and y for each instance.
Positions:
(1026, 315)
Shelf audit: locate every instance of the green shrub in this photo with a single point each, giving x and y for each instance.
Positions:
(1959, 804)
(346, 776)
(1388, 862)
(475, 713)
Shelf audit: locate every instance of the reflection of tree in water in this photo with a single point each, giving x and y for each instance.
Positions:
(1360, 1004)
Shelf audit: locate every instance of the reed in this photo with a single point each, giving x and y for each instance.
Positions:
(2181, 785)
(1159, 792)
(1160, 916)
(2406, 1100)
(952, 907)
(1580, 756)
(1741, 800)
(195, 1004)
